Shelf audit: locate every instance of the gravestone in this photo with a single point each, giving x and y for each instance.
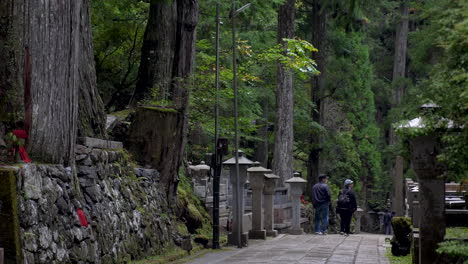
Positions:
(257, 179)
(296, 186)
(358, 214)
(268, 192)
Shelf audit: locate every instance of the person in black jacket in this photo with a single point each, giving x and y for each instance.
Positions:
(321, 201)
(346, 206)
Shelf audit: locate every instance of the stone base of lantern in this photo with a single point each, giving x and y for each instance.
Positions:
(257, 234)
(299, 231)
(273, 233)
(232, 239)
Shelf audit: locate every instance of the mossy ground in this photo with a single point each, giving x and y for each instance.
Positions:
(398, 260)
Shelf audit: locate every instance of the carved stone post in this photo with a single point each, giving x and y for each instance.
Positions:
(257, 179)
(358, 215)
(296, 186)
(424, 151)
(268, 192)
(238, 202)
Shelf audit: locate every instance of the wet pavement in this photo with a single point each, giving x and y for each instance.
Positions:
(311, 249)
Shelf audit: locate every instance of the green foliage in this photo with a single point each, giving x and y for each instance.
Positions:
(351, 146)
(454, 251)
(401, 227)
(118, 28)
(456, 233)
(445, 81)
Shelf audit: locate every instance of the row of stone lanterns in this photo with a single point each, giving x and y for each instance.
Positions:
(263, 184)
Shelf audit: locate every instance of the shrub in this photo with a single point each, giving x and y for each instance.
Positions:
(401, 242)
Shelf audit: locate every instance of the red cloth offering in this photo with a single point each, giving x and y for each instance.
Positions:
(82, 217)
(24, 156)
(19, 133)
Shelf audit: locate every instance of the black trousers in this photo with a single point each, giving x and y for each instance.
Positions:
(345, 221)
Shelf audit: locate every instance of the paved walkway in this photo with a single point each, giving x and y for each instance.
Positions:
(311, 249)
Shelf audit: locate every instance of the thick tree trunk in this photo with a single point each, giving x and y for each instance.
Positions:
(91, 115)
(399, 72)
(283, 159)
(167, 62)
(157, 53)
(319, 21)
(46, 42)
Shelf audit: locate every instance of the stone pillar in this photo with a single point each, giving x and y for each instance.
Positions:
(10, 226)
(358, 214)
(268, 192)
(257, 179)
(398, 188)
(424, 151)
(296, 185)
(415, 214)
(238, 200)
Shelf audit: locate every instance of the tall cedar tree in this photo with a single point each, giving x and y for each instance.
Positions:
(284, 137)
(44, 51)
(399, 72)
(167, 60)
(319, 28)
(91, 115)
(48, 95)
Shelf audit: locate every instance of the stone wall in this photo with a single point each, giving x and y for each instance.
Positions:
(127, 214)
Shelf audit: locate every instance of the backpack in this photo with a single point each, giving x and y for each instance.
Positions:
(343, 200)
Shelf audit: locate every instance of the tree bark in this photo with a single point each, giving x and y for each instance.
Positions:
(11, 92)
(167, 62)
(157, 52)
(399, 72)
(319, 21)
(91, 115)
(46, 42)
(284, 135)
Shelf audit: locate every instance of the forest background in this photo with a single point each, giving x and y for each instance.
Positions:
(344, 116)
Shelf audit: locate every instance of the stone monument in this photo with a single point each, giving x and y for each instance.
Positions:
(257, 179)
(424, 151)
(238, 198)
(296, 186)
(268, 192)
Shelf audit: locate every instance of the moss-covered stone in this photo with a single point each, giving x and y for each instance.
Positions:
(401, 242)
(9, 225)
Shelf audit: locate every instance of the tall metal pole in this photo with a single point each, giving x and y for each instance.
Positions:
(236, 128)
(217, 165)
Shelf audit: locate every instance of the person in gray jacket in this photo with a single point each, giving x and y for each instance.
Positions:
(321, 201)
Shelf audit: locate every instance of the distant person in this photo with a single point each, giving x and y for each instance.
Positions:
(387, 221)
(346, 206)
(321, 202)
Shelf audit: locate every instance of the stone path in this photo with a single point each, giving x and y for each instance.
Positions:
(311, 249)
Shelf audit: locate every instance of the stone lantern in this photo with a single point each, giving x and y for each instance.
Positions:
(296, 186)
(201, 176)
(257, 180)
(238, 197)
(430, 214)
(268, 192)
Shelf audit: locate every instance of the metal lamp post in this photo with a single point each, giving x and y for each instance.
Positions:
(234, 13)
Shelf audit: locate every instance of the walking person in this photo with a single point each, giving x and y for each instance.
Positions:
(346, 206)
(387, 221)
(321, 202)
